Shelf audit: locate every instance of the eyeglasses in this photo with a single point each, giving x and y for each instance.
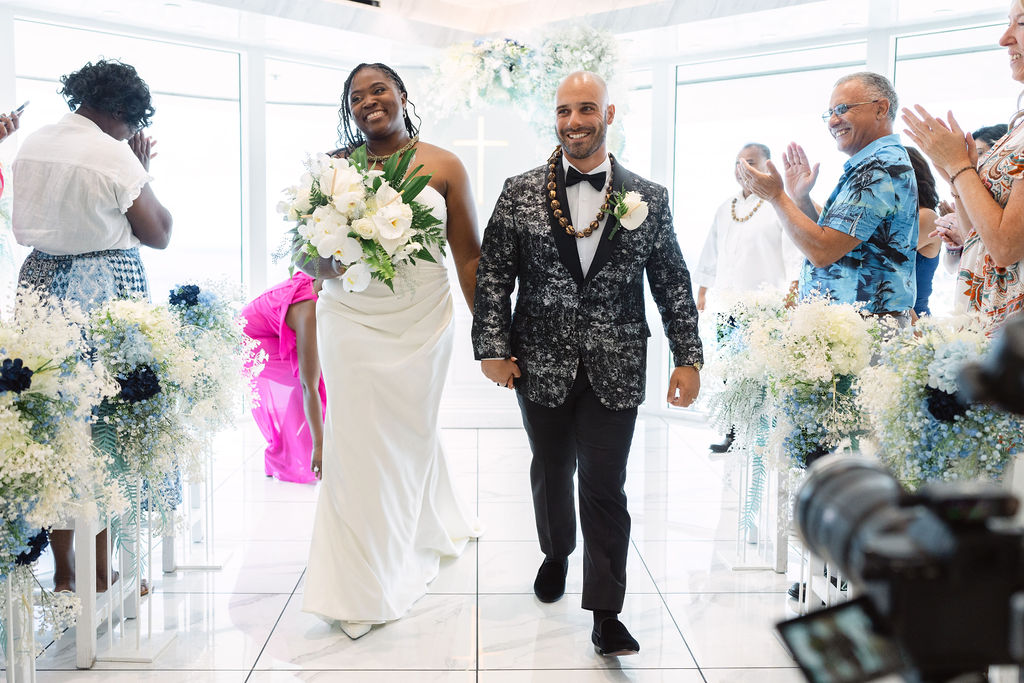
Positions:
(841, 109)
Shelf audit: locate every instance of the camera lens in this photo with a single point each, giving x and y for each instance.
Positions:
(844, 502)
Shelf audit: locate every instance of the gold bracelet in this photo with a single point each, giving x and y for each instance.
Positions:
(952, 178)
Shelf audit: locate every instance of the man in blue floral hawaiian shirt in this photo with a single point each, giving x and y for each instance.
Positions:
(860, 245)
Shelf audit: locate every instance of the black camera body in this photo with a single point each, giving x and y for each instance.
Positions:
(941, 570)
(940, 567)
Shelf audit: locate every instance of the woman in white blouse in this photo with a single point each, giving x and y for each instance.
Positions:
(82, 201)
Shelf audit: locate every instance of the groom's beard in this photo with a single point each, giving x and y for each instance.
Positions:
(583, 148)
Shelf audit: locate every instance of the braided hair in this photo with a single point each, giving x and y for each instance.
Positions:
(349, 136)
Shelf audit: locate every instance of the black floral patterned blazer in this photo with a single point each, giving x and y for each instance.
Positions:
(562, 318)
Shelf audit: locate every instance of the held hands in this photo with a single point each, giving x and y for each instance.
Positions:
(8, 124)
(944, 142)
(800, 175)
(683, 386)
(501, 371)
(142, 146)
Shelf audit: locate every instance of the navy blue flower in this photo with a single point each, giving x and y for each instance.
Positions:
(140, 384)
(14, 376)
(944, 406)
(36, 545)
(186, 295)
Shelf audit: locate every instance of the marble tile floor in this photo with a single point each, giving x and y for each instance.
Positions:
(697, 618)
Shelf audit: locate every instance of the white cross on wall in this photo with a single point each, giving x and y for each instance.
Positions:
(481, 143)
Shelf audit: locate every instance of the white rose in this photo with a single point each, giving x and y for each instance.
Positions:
(356, 277)
(365, 228)
(636, 211)
(284, 207)
(302, 204)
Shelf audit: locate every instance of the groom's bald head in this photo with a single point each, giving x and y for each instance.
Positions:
(582, 116)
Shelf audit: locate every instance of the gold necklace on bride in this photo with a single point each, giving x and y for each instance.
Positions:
(384, 157)
(732, 210)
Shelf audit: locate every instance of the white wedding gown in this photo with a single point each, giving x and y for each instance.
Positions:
(387, 510)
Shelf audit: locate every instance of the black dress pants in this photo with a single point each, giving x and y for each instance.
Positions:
(582, 433)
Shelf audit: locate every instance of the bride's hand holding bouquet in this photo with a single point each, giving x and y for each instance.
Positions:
(366, 222)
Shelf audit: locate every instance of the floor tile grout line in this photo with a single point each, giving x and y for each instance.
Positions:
(669, 610)
(277, 622)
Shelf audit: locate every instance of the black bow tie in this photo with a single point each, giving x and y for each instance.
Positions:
(573, 176)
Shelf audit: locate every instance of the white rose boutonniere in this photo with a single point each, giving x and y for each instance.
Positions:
(629, 209)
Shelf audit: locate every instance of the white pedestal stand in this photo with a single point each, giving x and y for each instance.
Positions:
(128, 648)
(762, 534)
(199, 524)
(19, 621)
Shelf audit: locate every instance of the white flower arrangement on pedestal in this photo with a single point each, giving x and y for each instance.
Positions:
(145, 427)
(49, 471)
(735, 390)
(924, 433)
(211, 326)
(793, 369)
(366, 220)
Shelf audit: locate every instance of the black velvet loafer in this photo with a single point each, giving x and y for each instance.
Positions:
(611, 639)
(550, 583)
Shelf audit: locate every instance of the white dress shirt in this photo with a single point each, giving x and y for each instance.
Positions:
(743, 255)
(584, 203)
(72, 184)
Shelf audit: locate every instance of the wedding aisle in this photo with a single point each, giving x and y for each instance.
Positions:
(697, 620)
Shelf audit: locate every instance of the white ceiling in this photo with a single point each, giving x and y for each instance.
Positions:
(408, 31)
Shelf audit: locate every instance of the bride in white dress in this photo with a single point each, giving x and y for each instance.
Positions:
(388, 511)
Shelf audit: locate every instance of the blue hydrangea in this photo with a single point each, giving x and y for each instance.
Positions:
(949, 358)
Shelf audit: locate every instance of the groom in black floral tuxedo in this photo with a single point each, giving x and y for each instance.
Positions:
(576, 347)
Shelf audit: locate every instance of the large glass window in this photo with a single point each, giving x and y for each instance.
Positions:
(302, 120)
(637, 123)
(196, 124)
(963, 71)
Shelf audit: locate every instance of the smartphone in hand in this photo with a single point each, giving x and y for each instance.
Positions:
(21, 108)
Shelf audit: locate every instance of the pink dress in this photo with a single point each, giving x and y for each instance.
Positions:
(279, 414)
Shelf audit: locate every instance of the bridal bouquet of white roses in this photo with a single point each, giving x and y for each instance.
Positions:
(365, 219)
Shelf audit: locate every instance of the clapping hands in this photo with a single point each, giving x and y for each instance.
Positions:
(947, 146)
(800, 175)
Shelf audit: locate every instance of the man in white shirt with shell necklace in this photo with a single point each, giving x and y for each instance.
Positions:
(746, 247)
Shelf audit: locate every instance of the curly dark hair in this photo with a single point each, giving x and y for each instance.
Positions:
(927, 195)
(112, 87)
(350, 137)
